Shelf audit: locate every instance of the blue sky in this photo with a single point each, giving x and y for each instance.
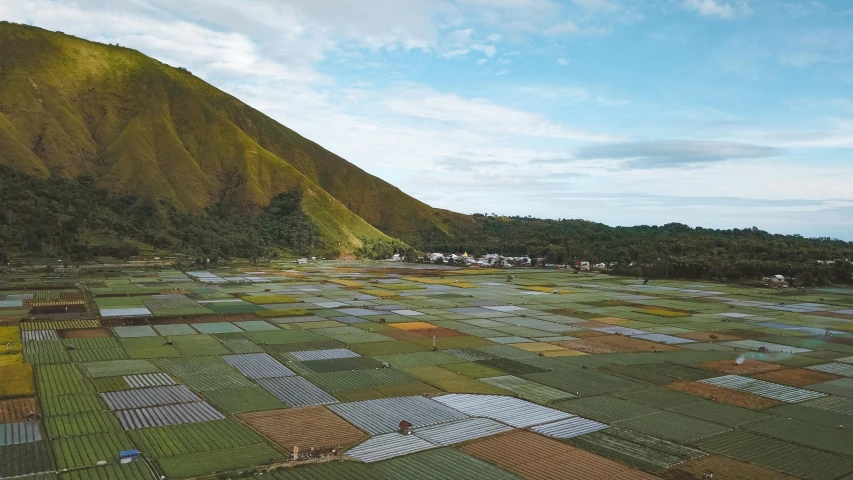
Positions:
(715, 113)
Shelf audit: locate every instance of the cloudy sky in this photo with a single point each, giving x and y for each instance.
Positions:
(719, 113)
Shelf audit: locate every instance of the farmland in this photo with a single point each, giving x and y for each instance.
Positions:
(228, 370)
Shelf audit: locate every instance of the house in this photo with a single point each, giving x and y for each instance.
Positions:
(435, 256)
(776, 280)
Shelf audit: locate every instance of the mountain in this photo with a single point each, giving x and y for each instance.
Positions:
(107, 152)
(71, 108)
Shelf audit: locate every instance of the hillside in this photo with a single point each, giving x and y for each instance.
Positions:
(71, 108)
(104, 151)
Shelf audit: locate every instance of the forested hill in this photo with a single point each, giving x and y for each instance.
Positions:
(71, 108)
(673, 250)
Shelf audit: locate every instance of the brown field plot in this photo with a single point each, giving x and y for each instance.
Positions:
(724, 395)
(722, 467)
(305, 428)
(16, 410)
(749, 367)
(540, 458)
(797, 377)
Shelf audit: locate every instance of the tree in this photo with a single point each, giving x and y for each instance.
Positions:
(805, 279)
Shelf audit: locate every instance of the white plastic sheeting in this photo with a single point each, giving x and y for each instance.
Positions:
(19, 432)
(149, 397)
(385, 414)
(840, 369)
(149, 380)
(329, 354)
(661, 338)
(461, 431)
(296, 391)
(389, 445)
(168, 415)
(767, 346)
(762, 388)
(39, 335)
(570, 427)
(125, 312)
(512, 411)
(258, 365)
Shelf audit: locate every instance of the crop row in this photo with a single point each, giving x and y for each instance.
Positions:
(218, 460)
(161, 442)
(87, 450)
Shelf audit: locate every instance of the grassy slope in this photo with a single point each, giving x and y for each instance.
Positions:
(70, 107)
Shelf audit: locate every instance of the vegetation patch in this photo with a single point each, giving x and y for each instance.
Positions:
(452, 382)
(660, 312)
(534, 288)
(270, 299)
(722, 467)
(218, 460)
(636, 449)
(241, 400)
(115, 368)
(296, 312)
(16, 380)
(26, 458)
(788, 458)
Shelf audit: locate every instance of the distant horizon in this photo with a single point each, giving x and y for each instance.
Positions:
(711, 113)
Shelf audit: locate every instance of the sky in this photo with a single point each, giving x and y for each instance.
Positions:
(713, 113)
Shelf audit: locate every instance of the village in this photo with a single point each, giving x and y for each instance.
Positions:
(495, 260)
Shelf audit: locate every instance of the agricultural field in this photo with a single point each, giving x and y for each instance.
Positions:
(553, 375)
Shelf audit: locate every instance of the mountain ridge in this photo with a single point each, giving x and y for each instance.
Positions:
(70, 107)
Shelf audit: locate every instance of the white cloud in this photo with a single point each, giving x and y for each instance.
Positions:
(459, 52)
(482, 61)
(564, 61)
(482, 115)
(719, 8)
(675, 153)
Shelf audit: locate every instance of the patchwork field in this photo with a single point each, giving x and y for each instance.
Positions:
(551, 376)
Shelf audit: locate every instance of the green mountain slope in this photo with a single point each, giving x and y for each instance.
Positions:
(71, 108)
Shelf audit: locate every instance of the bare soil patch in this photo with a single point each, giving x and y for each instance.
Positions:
(724, 395)
(540, 458)
(748, 367)
(16, 409)
(305, 428)
(796, 377)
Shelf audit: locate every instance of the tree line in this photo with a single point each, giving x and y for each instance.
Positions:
(669, 251)
(76, 219)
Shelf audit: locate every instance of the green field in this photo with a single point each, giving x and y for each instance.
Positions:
(589, 351)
